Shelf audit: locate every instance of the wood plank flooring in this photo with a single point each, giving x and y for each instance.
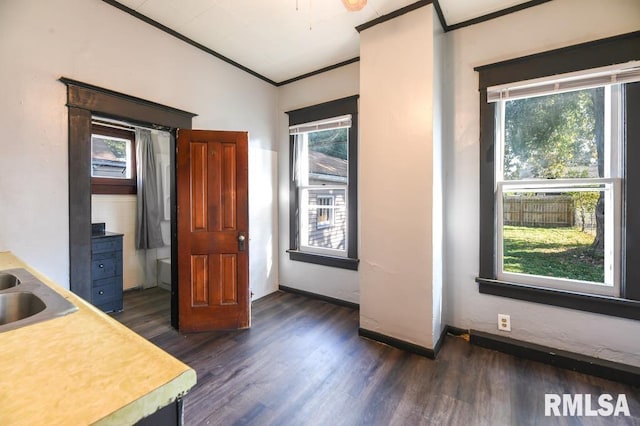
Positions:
(303, 363)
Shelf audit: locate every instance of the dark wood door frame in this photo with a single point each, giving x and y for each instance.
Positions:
(84, 101)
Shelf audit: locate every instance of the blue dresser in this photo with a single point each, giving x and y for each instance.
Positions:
(106, 271)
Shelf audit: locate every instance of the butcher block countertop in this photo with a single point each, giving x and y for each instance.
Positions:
(83, 368)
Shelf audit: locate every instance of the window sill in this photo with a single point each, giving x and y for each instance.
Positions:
(624, 308)
(323, 259)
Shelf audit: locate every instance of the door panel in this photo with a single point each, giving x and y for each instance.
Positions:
(199, 178)
(213, 226)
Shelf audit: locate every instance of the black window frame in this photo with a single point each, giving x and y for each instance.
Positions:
(102, 185)
(585, 56)
(335, 108)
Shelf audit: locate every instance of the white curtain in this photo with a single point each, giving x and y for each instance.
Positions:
(148, 232)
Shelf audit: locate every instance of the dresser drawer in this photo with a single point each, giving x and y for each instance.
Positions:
(104, 268)
(101, 245)
(106, 290)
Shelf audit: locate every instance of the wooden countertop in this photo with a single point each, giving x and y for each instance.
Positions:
(83, 368)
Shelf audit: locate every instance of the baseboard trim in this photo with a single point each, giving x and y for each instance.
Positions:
(609, 370)
(320, 297)
(401, 344)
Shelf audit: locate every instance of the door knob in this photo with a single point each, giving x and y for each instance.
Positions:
(241, 242)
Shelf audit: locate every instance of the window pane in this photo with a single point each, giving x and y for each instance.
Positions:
(324, 175)
(556, 234)
(326, 218)
(555, 136)
(110, 157)
(328, 156)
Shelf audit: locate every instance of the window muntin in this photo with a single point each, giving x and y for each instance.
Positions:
(322, 178)
(325, 205)
(564, 145)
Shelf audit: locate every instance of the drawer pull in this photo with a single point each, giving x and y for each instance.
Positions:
(101, 266)
(101, 292)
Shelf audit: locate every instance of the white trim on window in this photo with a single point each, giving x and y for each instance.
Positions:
(341, 122)
(610, 185)
(621, 73)
(329, 208)
(612, 263)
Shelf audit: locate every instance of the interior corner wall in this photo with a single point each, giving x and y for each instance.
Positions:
(76, 39)
(545, 27)
(337, 283)
(441, 93)
(397, 181)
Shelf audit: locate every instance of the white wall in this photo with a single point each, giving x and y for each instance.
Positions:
(93, 42)
(397, 165)
(118, 212)
(548, 26)
(442, 90)
(333, 282)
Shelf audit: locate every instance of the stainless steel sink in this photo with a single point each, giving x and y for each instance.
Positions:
(19, 305)
(8, 281)
(25, 300)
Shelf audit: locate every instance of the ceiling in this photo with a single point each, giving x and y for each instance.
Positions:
(279, 40)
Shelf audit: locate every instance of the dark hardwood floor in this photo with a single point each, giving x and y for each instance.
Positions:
(303, 363)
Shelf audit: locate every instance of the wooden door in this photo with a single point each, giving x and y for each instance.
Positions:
(213, 230)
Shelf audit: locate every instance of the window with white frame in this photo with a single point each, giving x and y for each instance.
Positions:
(558, 181)
(558, 187)
(324, 211)
(323, 197)
(322, 177)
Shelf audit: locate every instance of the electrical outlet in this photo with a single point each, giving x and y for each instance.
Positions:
(504, 322)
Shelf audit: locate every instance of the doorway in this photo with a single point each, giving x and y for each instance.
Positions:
(131, 195)
(83, 102)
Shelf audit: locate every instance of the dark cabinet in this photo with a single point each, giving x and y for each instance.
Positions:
(106, 271)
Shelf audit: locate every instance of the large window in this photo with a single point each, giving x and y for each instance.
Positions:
(558, 186)
(558, 176)
(323, 184)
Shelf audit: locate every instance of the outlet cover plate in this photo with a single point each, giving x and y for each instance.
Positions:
(504, 322)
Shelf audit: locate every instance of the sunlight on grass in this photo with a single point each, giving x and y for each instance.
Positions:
(553, 252)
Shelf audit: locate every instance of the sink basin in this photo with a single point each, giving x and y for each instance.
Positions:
(8, 281)
(19, 305)
(25, 300)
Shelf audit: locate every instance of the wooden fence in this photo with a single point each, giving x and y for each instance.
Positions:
(542, 211)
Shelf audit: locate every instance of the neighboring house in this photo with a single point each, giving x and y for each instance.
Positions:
(327, 225)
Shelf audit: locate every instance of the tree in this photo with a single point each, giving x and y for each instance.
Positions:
(330, 142)
(597, 103)
(549, 136)
(558, 136)
(585, 203)
(117, 148)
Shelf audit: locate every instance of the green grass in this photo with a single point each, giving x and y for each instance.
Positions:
(554, 252)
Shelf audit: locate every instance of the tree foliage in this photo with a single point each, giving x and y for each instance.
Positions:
(559, 136)
(331, 142)
(550, 136)
(117, 148)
